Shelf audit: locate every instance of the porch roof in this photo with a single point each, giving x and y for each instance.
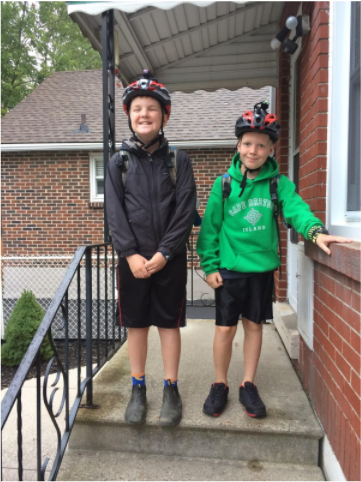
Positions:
(190, 46)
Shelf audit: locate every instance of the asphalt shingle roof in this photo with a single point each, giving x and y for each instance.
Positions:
(53, 110)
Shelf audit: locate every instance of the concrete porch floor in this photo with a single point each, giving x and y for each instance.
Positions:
(285, 442)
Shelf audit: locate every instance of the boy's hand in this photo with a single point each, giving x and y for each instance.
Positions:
(137, 266)
(214, 280)
(156, 263)
(323, 240)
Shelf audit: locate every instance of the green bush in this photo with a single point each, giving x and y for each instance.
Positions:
(20, 330)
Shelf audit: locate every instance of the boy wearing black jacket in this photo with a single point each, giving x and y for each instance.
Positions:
(150, 199)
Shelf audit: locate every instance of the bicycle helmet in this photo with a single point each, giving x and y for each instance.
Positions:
(146, 85)
(258, 120)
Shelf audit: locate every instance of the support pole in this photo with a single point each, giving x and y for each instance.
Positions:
(108, 99)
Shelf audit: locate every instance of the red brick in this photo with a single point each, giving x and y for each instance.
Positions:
(356, 382)
(343, 366)
(355, 341)
(353, 457)
(352, 398)
(356, 301)
(352, 357)
(346, 465)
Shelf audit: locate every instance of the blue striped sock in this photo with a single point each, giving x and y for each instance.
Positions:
(172, 382)
(138, 379)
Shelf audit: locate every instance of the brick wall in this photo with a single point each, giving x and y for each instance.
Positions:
(46, 195)
(314, 105)
(45, 198)
(331, 373)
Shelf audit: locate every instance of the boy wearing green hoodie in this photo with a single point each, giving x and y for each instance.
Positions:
(237, 245)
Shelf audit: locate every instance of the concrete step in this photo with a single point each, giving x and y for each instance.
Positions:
(91, 465)
(290, 433)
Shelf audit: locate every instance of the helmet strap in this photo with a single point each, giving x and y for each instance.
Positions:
(244, 180)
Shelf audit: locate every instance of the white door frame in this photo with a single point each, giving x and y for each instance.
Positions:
(292, 249)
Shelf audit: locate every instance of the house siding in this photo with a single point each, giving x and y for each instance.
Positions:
(330, 372)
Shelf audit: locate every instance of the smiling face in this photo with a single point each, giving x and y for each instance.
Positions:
(254, 148)
(146, 117)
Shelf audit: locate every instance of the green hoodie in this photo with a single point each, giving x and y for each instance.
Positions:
(245, 240)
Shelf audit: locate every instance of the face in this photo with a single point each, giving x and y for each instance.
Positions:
(254, 148)
(146, 117)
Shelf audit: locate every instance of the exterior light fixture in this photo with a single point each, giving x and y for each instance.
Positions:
(302, 26)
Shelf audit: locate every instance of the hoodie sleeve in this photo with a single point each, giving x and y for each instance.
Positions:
(208, 239)
(181, 224)
(296, 211)
(123, 238)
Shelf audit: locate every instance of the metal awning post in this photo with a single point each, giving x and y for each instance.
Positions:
(108, 99)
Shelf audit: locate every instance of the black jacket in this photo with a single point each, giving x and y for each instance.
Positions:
(149, 213)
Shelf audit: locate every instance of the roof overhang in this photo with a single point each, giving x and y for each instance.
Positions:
(198, 45)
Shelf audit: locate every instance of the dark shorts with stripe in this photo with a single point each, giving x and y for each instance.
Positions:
(250, 297)
(159, 300)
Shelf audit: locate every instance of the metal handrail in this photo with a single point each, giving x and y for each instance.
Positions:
(32, 356)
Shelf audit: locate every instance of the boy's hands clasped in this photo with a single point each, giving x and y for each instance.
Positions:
(142, 268)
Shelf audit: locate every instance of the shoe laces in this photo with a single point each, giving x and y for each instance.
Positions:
(252, 392)
(217, 391)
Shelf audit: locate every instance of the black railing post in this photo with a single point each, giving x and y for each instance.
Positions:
(88, 324)
(192, 250)
(38, 417)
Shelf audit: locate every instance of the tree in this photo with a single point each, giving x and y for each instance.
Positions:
(36, 40)
(20, 330)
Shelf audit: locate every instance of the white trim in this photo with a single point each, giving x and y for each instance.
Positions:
(95, 146)
(95, 8)
(93, 157)
(329, 463)
(339, 221)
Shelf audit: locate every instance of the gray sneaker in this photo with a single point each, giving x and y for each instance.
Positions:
(171, 412)
(136, 409)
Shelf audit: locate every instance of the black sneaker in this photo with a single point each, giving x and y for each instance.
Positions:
(248, 396)
(171, 412)
(136, 409)
(216, 400)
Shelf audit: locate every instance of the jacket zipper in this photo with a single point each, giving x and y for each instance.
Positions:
(155, 204)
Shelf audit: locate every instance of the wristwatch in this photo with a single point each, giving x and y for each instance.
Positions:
(315, 231)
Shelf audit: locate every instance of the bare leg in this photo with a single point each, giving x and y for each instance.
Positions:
(251, 348)
(222, 351)
(170, 340)
(138, 348)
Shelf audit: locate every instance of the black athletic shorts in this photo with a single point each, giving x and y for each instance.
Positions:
(250, 297)
(159, 300)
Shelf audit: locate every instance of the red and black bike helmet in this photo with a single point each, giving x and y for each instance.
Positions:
(258, 121)
(147, 86)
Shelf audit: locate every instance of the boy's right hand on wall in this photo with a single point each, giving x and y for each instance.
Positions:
(137, 266)
(214, 280)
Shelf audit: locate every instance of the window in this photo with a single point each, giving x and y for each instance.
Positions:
(96, 178)
(343, 197)
(353, 177)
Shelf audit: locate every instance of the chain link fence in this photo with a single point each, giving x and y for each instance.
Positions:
(43, 275)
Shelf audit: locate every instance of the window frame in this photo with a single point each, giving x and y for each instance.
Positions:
(93, 157)
(340, 221)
